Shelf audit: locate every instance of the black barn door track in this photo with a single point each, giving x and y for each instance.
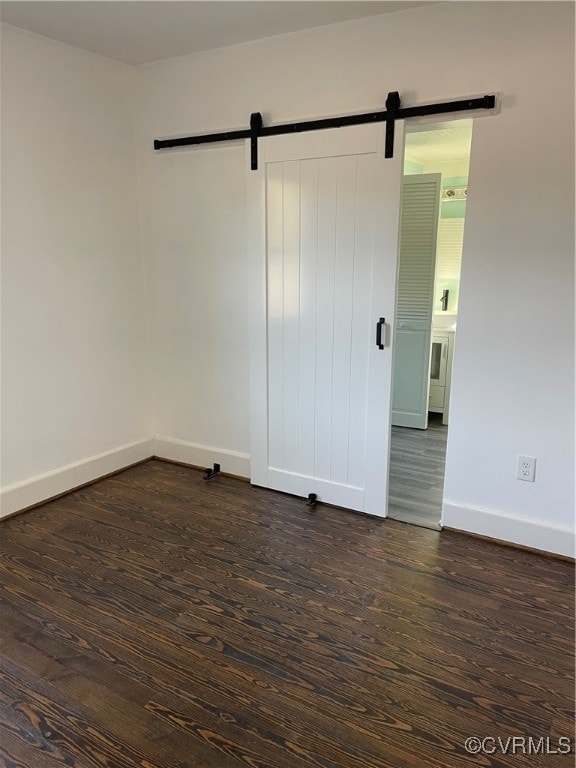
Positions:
(394, 111)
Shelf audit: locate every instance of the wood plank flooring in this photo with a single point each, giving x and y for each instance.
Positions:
(161, 621)
(416, 478)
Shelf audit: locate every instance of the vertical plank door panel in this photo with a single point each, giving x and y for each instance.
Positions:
(330, 273)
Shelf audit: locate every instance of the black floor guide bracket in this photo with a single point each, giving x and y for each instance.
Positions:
(212, 472)
(312, 500)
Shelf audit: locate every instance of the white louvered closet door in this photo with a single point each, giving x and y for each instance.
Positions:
(323, 227)
(415, 299)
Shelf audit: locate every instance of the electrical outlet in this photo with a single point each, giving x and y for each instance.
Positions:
(526, 468)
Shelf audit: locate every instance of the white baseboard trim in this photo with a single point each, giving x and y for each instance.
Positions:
(198, 455)
(536, 534)
(36, 490)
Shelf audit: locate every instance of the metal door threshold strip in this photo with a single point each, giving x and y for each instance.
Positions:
(394, 111)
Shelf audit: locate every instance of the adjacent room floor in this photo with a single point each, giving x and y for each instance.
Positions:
(161, 621)
(416, 481)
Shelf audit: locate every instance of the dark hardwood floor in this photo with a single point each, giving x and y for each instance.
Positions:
(161, 621)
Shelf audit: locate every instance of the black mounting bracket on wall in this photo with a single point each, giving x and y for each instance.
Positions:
(394, 111)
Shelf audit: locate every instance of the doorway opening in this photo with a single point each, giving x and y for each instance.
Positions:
(434, 198)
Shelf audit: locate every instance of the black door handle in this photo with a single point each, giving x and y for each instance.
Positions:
(379, 326)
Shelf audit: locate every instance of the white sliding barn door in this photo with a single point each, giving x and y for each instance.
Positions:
(415, 299)
(323, 239)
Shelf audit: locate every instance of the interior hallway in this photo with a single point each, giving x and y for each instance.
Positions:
(416, 480)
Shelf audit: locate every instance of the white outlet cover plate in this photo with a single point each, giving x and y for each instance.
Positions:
(526, 469)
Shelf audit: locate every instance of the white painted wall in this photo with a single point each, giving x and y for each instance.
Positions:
(194, 241)
(513, 375)
(75, 396)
